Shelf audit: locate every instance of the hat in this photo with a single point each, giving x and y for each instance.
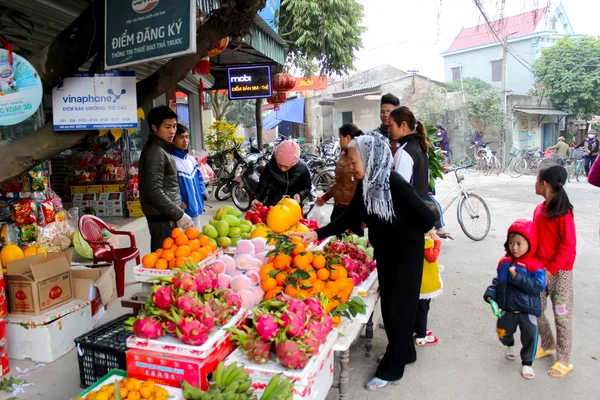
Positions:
(561, 138)
(287, 153)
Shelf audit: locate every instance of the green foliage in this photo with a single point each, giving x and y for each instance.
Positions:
(242, 112)
(435, 156)
(473, 86)
(432, 105)
(484, 109)
(323, 36)
(568, 72)
(222, 136)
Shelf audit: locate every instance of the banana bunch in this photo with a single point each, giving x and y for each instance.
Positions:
(278, 389)
(232, 383)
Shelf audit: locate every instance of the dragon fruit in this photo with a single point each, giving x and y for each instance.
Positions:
(355, 278)
(254, 347)
(163, 297)
(191, 331)
(266, 326)
(312, 338)
(292, 324)
(299, 308)
(327, 325)
(186, 303)
(232, 300)
(145, 327)
(291, 354)
(337, 247)
(220, 309)
(185, 282)
(169, 327)
(314, 307)
(206, 280)
(205, 314)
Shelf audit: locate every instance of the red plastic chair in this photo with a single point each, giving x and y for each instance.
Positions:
(91, 229)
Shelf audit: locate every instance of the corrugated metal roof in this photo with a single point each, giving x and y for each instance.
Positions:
(332, 99)
(540, 111)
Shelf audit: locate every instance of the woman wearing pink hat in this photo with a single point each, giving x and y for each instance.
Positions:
(285, 175)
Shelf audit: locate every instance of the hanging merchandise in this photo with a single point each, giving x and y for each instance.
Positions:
(203, 67)
(277, 99)
(283, 82)
(219, 47)
(20, 87)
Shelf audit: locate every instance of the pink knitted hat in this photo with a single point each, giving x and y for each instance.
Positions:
(287, 153)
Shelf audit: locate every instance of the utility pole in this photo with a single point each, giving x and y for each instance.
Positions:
(504, 98)
(414, 72)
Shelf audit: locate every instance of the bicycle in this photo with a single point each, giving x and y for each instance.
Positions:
(529, 162)
(471, 209)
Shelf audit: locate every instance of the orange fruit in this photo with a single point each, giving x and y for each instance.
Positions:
(319, 261)
(168, 255)
(195, 256)
(273, 292)
(282, 261)
(332, 287)
(209, 249)
(264, 271)
(149, 260)
(296, 240)
(269, 284)
(176, 233)
(192, 233)
(173, 248)
(159, 252)
(181, 240)
(180, 261)
(323, 274)
(291, 291)
(182, 251)
(280, 278)
(298, 249)
(332, 305)
(345, 283)
(172, 263)
(336, 320)
(168, 243)
(338, 272)
(145, 393)
(313, 275)
(318, 286)
(194, 244)
(161, 263)
(343, 295)
(204, 240)
(302, 294)
(203, 253)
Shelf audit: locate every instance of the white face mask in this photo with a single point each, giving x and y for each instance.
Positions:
(591, 136)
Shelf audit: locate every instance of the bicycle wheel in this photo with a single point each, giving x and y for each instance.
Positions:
(519, 168)
(240, 197)
(223, 191)
(545, 163)
(570, 170)
(577, 171)
(495, 166)
(474, 216)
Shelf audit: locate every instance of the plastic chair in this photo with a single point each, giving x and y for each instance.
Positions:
(92, 229)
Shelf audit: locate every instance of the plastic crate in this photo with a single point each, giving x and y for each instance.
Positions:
(102, 350)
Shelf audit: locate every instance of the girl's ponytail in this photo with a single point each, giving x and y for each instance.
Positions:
(422, 136)
(556, 177)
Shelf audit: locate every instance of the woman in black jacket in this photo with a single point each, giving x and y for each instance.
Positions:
(285, 175)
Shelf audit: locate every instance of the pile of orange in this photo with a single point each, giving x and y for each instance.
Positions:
(303, 274)
(131, 389)
(180, 248)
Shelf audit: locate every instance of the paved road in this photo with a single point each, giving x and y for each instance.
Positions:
(468, 362)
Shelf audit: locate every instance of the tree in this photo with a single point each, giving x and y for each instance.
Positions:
(84, 40)
(568, 72)
(323, 35)
(483, 110)
(222, 136)
(241, 112)
(432, 105)
(220, 103)
(472, 86)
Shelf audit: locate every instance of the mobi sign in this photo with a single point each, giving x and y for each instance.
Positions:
(252, 82)
(143, 6)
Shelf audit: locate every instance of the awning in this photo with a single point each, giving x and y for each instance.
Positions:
(540, 111)
(291, 111)
(332, 99)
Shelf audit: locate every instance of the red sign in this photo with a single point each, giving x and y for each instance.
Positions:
(312, 83)
(21, 295)
(55, 292)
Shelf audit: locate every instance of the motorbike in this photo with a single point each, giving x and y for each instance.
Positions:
(223, 190)
(245, 181)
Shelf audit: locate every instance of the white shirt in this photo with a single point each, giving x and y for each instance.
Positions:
(403, 164)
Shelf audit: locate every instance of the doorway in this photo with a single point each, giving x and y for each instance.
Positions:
(547, 136)
(347, 117)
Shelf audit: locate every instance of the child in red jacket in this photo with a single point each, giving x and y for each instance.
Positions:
(557, 250)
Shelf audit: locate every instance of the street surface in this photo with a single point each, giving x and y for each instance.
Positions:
(468, 362)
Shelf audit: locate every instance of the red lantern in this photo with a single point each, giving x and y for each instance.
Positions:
(277, 99)
(283, 82)
(203, 67)
(219, 47)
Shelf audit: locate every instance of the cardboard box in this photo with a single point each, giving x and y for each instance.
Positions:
(78, 189)
(100, 212)
(98, 285)
(47, 337)
(3, 298)
(115, 211)
(4, 366)
(94, 189)
(118, 196)
(78, 198)
(114, 188)
(37, 285)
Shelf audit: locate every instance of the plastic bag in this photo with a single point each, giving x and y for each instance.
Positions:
(207, 173)
(24, 212)
(47, 212)
(28, 233)
(318, 214)
(6, 209)
(36, 179)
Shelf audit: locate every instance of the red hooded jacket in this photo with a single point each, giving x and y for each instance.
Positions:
(557, 240)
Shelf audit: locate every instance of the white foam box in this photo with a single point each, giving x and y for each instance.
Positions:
(47, 337)
(117, 375)
(313, 382)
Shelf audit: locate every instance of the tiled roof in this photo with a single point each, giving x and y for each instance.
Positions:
(525, 24)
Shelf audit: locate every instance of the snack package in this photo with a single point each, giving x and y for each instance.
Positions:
(28, 233)
(47, 212)
(8, 234)
(12, 186)
(36, 179)
(24, 212)
(25, 186)
(55, 199)
(6, 209)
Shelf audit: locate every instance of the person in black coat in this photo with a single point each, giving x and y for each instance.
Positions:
(397, 218)
(284, 175)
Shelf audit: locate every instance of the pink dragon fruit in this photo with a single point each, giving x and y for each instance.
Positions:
(361, 256)
(204, 314)
(186, 303)
(145, 327)
(232, 300)
(326, 325)
(222, 313)
(293, 325)
(163, 297)
(336, 247)
(299, 308)
(266, 326)
(254, 347)
(191, 331)
(291, 354)
(355, 278)
(314, 307)
(169, 327)
(206, 280)
(185, 282)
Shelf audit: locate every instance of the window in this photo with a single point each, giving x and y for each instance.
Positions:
(553, 24)
(497, 71)
(347, 117)
(455, 74)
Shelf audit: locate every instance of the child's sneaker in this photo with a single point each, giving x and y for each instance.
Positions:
(429, 340)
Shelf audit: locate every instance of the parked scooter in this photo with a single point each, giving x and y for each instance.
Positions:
(223, 190)
(246, 179)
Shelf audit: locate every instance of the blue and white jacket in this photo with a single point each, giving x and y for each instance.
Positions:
(191, 184)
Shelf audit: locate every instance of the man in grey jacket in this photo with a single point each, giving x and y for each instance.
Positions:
(158, 181)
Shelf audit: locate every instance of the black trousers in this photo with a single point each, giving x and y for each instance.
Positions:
(421, 323)
(355, 228)
(587, 163)
(159, 231)
(527, 323)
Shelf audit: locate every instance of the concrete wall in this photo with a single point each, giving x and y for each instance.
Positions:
(527, 129)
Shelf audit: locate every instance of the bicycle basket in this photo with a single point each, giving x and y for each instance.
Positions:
(576, 153)
(515, 152)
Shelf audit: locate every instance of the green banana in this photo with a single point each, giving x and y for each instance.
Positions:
(231, 396)
(273, 383)
(228, 371)
(245, 386)
(279, 389)
(232, 388)
(218, 375)
(235, 376)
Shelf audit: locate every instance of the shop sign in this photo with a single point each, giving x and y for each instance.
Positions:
(249, 82)
(20, 89)
(102, 101)
(524, 123)
(142, 30)
(270, 13)
(310, 83)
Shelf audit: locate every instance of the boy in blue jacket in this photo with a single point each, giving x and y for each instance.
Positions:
(517, 287)
(191, 183)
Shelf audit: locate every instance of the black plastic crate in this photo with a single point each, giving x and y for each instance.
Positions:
(101, 350)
